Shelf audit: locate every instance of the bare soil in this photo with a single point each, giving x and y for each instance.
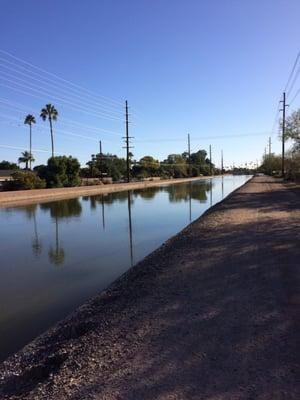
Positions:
(212, 314)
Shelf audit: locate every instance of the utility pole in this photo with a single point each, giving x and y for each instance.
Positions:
(100, 160)
(283, 133)
(270, 146)
(222, 164)
(127, 138)
(210, 166)
(189, 151)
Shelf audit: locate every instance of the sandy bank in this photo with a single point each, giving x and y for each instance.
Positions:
(24, 197)
(210, 315)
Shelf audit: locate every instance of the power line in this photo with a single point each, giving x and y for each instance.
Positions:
(294, 81)
(58, 131)
(6, 146)
(294, 98)
(21, 107)
(58, 99)
(205, 137)
(292, 71)
(90, 92)
(286, 87)
(276, 118)
(54, 87)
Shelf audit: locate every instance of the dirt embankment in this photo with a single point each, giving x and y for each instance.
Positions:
(24, 197)
(212, 314)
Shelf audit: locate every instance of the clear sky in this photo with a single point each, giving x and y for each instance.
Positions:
(212, 68)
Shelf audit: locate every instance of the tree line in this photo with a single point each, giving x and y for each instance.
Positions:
(272, 163)
(63, 171)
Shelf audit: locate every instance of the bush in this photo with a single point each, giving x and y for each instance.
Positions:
(25, 180)
(60, 172)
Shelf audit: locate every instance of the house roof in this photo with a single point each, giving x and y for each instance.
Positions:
(5, 173)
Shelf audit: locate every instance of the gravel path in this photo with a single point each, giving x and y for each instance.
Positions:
(210, 315)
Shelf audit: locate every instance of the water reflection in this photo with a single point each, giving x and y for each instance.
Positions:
(129, 201)
(103, 212)
(56, 254)
(95, 238)
(190, 201)
(222, 187)
(65, 209)
(36, 242)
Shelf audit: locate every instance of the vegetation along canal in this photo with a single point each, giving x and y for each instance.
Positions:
(56, 255)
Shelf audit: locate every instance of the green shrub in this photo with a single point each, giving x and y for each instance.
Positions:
(60, 171)
(25, 180)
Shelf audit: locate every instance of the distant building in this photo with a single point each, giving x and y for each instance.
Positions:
(5, 175)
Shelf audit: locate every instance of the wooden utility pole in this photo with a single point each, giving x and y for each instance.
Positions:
(100, 159)
(189, 151)
(283, 133)
(127, 138)
(210, 166)
(270, 146)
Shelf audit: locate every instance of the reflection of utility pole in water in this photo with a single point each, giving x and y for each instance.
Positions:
(103, 215)
(210, 190)
(36, 244)
(190, 200)
(130, 227)
(222, 187)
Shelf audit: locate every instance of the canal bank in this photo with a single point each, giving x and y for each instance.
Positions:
(25, 197)
(211, 314)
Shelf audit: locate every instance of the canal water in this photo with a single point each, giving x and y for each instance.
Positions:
(56, 255)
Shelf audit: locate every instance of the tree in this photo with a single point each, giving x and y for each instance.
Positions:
(109, 165)
(8, 165)
(24, 180)
(60, 171)
(49, 112)
(292, 128)
(271, 164)
(25, 158)
(29, 120)
(146, 167)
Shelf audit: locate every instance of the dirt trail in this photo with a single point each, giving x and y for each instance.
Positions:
(210, 315)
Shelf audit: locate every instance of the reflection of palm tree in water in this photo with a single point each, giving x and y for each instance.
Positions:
(36, 244)
(57, 254)
(64, 209)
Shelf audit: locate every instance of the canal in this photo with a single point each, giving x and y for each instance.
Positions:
(56, 255)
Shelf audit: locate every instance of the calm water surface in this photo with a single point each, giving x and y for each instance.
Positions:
(56, 255)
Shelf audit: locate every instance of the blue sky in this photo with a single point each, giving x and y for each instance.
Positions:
(208, 68)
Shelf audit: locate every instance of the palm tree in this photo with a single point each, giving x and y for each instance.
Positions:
(26, 158)
(29, 120)
(49, 112)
